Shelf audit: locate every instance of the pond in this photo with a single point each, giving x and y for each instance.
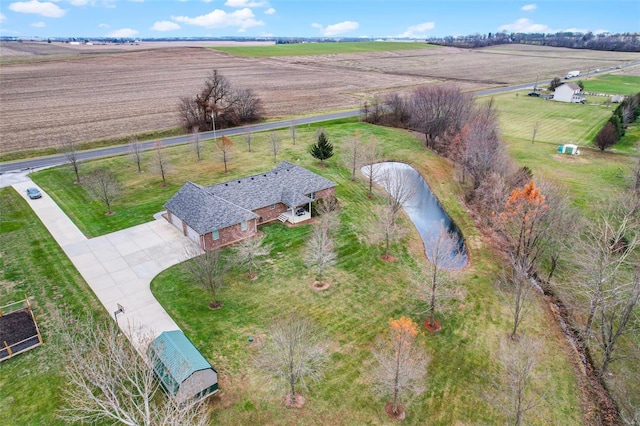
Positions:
(421, 206)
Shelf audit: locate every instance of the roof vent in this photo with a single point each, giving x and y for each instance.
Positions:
(264, 175)
(226, 184)
(252, 178)
(238, 181)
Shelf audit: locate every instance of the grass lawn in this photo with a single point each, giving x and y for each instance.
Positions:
(613, 84)
(34, 265)
(304, 49)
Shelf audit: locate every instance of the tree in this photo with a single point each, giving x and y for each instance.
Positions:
(247, 106)
(439, 110)
(103, 186)
(434, 284)
(515, 394)
(208, 270)
(248, 139)
(401, 364)
(322, 149)
(249, 253)
(293, 130)
(401, 186)
(371, 158)
(517, 287)
(522, 223)
(536, 127)
(353, 153)
(555, 83)
(294, 352)
(108, 381)
(224, 146)
(275, 146)
(70, 152)
(162, 161)
(135, 147)
(397, 110)
(196, 142)
(319, 252)
(606, 137)
(385, 229)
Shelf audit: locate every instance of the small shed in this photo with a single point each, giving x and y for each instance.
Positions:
(616, 99)
(569, 149)
(180, 367)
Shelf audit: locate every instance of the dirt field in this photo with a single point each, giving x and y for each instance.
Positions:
(86, 93)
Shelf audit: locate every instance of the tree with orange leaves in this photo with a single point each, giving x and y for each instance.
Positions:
(224, 147)
(522, 222)
(401, 364)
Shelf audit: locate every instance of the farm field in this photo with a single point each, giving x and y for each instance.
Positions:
(624, 85)
(308, 49)
(96, 95)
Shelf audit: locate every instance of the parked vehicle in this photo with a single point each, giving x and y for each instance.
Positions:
(572, 74)
(300, 211)
(534, 94)
(34, 193)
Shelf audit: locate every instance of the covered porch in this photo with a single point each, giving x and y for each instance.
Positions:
(296, 214)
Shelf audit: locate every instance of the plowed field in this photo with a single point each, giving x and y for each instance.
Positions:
(99, 94)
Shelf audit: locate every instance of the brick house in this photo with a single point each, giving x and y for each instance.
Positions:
(221, 214)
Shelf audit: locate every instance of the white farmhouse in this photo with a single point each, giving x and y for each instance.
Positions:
(569, 92)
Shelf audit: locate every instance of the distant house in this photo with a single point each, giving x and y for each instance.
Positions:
(221, 214)
(180, 367)
(569, 92)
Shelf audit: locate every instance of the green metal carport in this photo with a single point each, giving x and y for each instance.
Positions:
(180, 367)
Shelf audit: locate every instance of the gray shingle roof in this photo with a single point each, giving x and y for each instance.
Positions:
(231, 202)
(203, 211)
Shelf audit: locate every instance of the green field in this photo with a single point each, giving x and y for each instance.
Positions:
(309, 49)
(34, 265)
(613, 84)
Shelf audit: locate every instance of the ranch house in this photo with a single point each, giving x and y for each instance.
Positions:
(569, 92)
(221, 214)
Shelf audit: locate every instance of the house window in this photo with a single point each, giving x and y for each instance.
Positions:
(215, 234)
(273, 206)
(312, 195)
(243, 225)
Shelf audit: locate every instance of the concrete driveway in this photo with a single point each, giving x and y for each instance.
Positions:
(119, 266)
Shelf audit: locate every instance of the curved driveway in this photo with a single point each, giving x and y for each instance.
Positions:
(119, 266)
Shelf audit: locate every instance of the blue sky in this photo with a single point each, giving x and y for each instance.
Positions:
(310, 18)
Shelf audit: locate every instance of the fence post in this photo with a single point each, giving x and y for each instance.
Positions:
(8, 349)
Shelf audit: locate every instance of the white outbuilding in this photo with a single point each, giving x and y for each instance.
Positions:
(569, 92)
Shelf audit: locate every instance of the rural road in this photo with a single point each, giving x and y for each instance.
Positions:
(54, 160)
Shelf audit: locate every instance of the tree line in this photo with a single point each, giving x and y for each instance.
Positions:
(625, 113)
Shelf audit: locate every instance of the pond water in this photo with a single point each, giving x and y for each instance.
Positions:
(422, 207)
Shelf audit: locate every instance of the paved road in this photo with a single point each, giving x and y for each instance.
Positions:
(55, 160)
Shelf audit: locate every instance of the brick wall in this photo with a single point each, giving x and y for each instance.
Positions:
(267, 215)
(230, 235)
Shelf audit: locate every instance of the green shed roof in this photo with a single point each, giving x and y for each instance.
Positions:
(178, 355)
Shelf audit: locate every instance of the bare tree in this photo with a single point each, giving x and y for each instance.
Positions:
(536, 127)
(434, 284)
(371, 157)
(103, 185)
(247, 106)
(319, 252)
(294, 352)
(396, 110)
(248, 138)
(70, 152)
(293, 129)
(162, 161)
(401, 364)
(208, 270)
(135, 147)
(606, 137)
(401, 186)
(275, 146)
(514, 393)
(108, 381)
(353, 153)
(438, 110)
(196, 142)
(327, 211)
(249, 252)
(517, 288)
(224, 146)
(385, 229)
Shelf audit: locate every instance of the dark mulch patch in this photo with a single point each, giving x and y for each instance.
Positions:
(16, 327)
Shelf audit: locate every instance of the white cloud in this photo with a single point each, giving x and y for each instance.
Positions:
(575, 30)
(417, 31)
(2, 17)
(39, 25)
(336, 29)
(47, 9)
(104, 26)
(529, 7)
(243, 18)
(79, 2)
(123, 32)
(524, 25)
(165, 26)
(244, 3)
(270, 11)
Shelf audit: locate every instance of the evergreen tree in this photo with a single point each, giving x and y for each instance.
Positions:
(323, 149)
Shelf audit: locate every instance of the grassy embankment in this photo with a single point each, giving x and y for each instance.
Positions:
(34, 265)
(365, 292)
(305, 49)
